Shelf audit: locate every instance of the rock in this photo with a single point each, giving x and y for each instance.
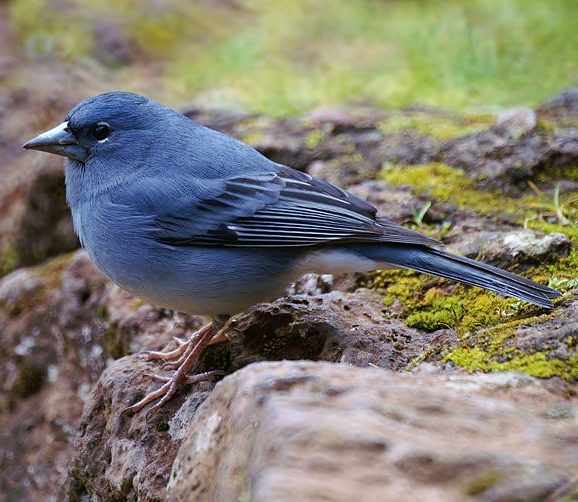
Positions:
(336, 326)
(562, 106)
(346, 118)
(61, 324)
(51, 351)
(507, 249)
(408, 148)
(473, 461)
(127, 457)
(513, 151)
(366, 434)
(396, 202)
(500, 161)
(35, 222)
(516, 122)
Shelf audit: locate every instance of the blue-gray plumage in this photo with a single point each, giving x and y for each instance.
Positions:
(194, 220)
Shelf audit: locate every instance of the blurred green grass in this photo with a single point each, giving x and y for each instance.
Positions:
(286, 57)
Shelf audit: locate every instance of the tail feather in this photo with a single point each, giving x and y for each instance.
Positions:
(441, 263)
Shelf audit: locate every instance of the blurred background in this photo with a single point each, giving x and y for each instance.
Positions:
(286, 57)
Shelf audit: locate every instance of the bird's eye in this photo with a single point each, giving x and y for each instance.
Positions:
(101, 131)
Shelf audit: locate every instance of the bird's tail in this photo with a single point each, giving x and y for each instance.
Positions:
(458, 268)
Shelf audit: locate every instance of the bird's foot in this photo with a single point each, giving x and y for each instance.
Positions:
(166, 391)
(186, 355)
(172, 354)
(174, 358)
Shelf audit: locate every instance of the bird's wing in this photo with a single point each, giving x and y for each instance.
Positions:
(276, 209)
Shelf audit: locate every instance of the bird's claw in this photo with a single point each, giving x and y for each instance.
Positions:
(186, 355)
(171, 385)
(171, 355)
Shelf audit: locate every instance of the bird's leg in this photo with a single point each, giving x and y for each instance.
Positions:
(171, 355)
(185, 349)
(188, 356)
(175, 358)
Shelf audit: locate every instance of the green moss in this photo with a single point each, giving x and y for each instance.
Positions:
(495, 349)
(556, 212)
(542, 366)
(402, 285)
(538, 364)
(430, 321)
(561, 274)
(50, 275)
(441, 126)
(483, 482)
(449, 184)
(430, 303)
(314, 138)
(555, 172)
(441, 312)
(8, 260)
(426, 304)
(470, 311)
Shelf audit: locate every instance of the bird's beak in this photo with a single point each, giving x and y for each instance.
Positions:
(59, 141)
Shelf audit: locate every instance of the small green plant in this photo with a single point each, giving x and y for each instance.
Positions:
(566, 210)
(561, 282)
(418, 215)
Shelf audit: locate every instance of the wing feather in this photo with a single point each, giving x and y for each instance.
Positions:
(281, 208)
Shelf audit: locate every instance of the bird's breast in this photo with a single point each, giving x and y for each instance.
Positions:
(193, 279)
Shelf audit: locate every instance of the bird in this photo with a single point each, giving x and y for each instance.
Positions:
(194, 220)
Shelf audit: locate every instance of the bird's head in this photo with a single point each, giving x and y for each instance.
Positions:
(113, 138)
(108, 124)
